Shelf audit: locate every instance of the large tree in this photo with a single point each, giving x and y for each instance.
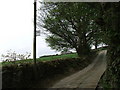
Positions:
(70, 26)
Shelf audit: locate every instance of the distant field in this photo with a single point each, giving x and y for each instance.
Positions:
(58, 57)
(43, 58)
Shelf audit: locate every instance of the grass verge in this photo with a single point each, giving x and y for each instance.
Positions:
(43, 58)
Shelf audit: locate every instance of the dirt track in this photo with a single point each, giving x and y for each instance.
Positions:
(86, 78)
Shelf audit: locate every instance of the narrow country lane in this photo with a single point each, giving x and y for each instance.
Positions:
(86, 78)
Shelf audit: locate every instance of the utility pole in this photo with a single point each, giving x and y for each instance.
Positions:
(34, 40)
(34, 37)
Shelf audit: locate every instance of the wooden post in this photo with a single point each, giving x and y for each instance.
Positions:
(34, 41)
(34, 37)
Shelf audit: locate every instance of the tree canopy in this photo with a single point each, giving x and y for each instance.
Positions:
(72, 27)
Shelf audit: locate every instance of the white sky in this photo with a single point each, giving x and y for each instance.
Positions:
(16, 28)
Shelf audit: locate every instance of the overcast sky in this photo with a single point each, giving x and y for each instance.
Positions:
(16, 28)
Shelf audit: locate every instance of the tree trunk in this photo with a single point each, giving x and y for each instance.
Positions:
(96, 44)
(83, 50)
(83, 47)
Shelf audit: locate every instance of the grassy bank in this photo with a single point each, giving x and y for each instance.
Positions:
(43, 58)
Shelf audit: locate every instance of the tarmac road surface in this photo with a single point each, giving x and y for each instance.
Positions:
(86, 78)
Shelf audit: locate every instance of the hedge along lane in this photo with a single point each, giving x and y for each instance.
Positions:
(22, 76)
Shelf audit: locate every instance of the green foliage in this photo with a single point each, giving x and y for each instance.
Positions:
(43, 58)
(58, 43)
(69, 27)
(22, 76)
(111, 17)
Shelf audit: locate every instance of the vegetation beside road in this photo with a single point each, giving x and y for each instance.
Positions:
(53, 57)
(79, 26)
(43, 58)
(22, 76)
